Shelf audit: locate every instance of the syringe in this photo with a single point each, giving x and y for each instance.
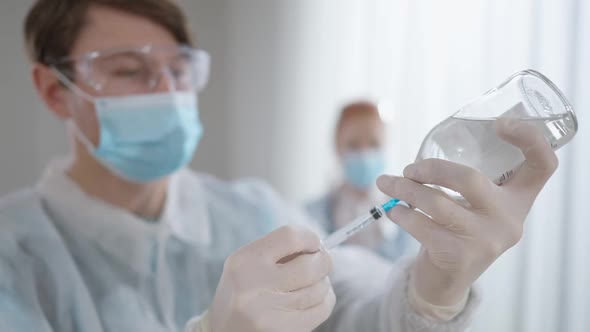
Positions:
(358, 224)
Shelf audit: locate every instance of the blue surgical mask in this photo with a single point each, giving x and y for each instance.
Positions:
(146, 137)
(362, 169)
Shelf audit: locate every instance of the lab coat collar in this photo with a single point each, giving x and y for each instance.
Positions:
(120, 233)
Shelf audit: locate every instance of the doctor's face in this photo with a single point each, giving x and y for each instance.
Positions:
(361, 131)
(111, 35)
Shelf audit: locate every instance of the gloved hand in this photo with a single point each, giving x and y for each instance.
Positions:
(460, 240)
(277, 283)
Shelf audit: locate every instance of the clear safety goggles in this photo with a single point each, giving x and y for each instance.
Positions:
(136, 70)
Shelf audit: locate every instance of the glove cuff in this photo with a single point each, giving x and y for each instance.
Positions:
(433, 312)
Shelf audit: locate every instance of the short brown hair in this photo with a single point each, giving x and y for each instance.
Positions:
(52, 26)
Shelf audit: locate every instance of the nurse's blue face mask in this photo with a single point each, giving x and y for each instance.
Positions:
(362, 169)
(145, 135)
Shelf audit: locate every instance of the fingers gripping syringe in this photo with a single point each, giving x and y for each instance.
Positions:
(358, 224)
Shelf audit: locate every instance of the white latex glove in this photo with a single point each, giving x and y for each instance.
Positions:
(460, 240)
(277, 283)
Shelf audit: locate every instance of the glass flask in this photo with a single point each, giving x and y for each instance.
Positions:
(468, 137)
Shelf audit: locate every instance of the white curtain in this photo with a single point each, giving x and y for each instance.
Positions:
(429, 57)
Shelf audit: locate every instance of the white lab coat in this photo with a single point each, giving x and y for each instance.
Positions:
(70, 262)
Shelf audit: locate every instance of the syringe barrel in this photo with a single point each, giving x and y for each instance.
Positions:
(349, 230)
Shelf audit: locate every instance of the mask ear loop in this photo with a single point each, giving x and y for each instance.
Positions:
(70, 85)
(73, 128)
(70, 123)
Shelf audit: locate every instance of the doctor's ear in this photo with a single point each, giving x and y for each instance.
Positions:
(51, 90)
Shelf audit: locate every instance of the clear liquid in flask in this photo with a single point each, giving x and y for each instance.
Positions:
(473, 142)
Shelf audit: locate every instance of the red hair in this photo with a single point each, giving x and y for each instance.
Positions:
(355, 109)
